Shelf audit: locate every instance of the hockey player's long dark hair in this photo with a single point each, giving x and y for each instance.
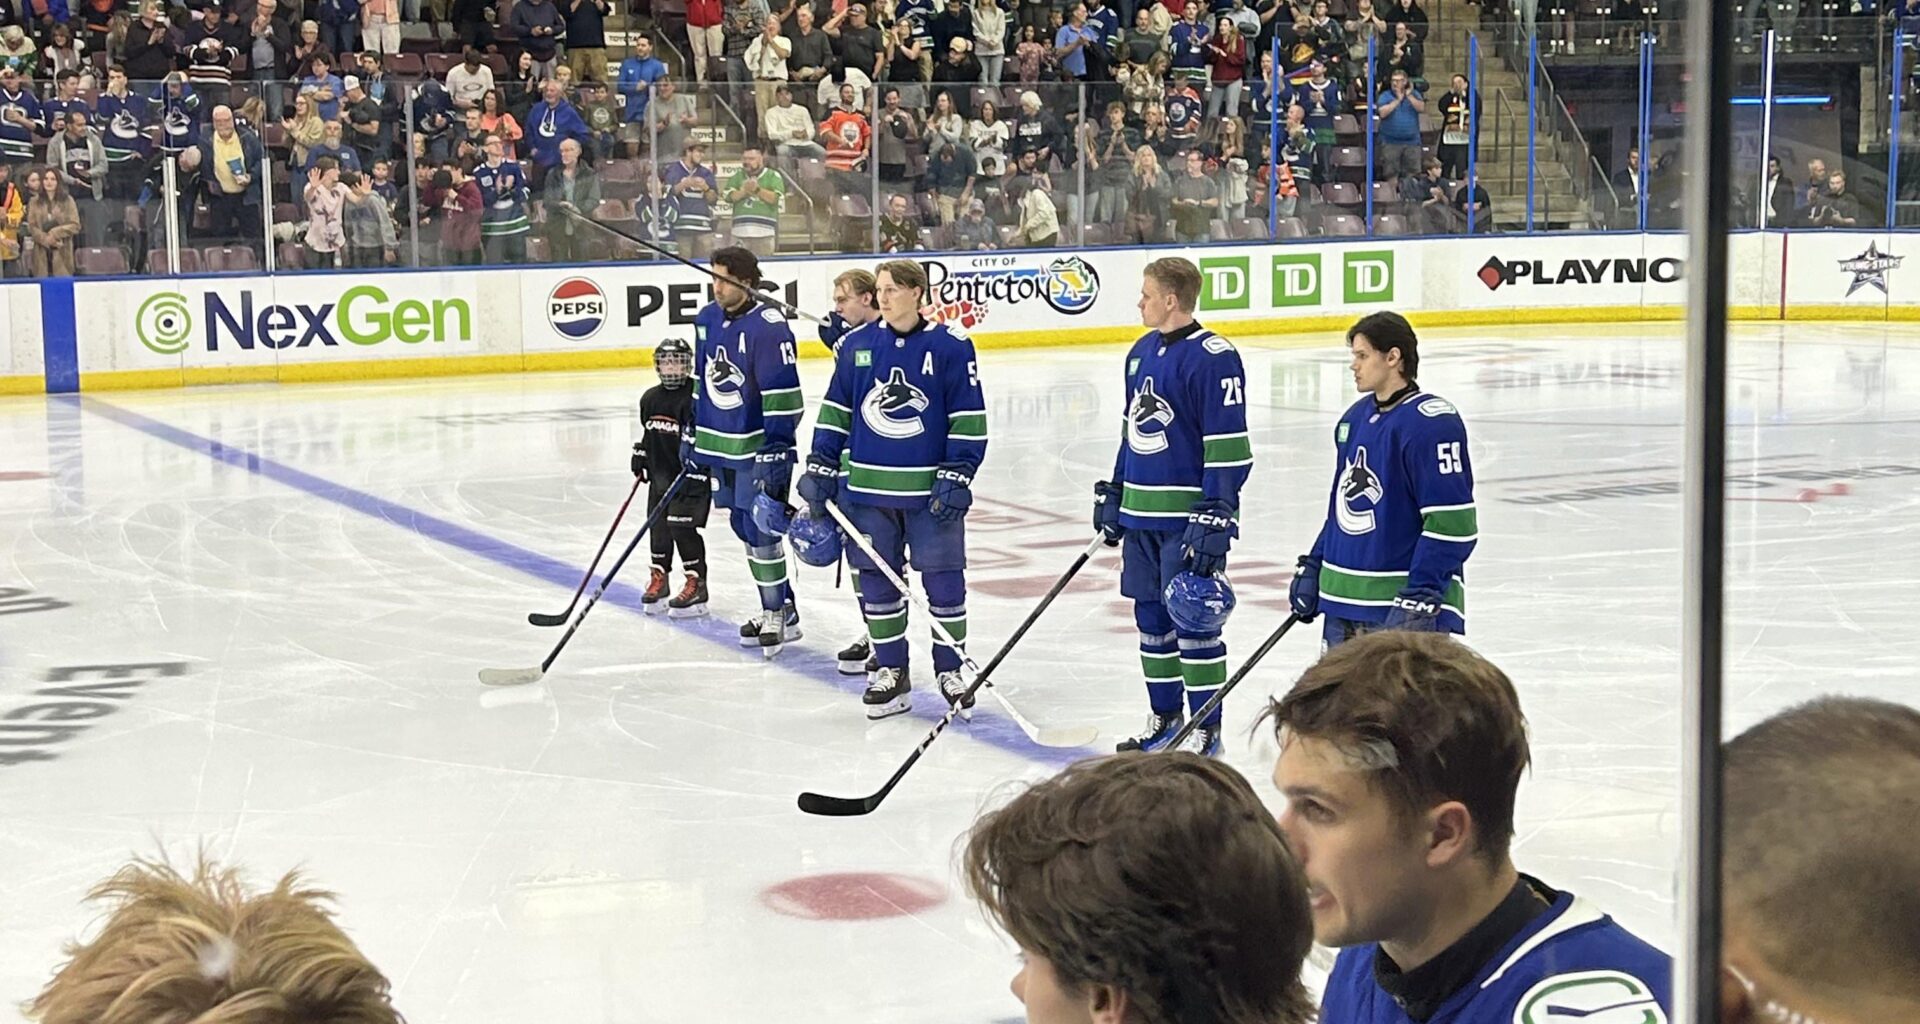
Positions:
(1389, 331)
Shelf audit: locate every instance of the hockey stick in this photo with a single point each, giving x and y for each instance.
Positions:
(1064, 736)
(523, 676)
(1213, 702)
(683, 261)
(846, 806)
(553, 619)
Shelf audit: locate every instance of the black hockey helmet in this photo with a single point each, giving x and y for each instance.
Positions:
(673, 361)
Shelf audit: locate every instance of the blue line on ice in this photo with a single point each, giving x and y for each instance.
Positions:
(988, 727)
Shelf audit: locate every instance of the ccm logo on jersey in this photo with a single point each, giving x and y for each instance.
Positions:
(723, 381)
(1148, 410)
(1357, 483)
(893, 406)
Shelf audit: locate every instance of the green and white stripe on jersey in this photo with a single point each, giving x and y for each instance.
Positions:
(905, 481)
(1371, 589)
(967, 425)
(1225, 450)
(1158, 501)
(1457, 523)
(835, 417)
(781, 402)
(708, 441)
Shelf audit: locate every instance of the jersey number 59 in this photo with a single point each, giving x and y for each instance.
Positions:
(1450, 461)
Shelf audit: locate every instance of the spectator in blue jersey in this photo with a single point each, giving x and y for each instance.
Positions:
(1188, 41)
(124, 116)
(21, 117)
(690, 189)
(503, 190)
(1400, 757)
(550, 122)
(1145, 889)
(433, 119)
(1398, 107)
(637, 74)
(1818, 899)
(323, 86)
(180, 113)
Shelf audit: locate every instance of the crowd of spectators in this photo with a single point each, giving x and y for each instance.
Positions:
(304, 128)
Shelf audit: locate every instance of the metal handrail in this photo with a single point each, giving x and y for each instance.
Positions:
(1613, 194)
(794, 189)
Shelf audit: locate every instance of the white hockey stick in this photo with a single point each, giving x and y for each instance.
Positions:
(1056, 736)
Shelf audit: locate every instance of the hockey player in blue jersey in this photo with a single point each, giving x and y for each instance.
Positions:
(1400, 757)
(905, 405)
(1401, 521)
(1175, 493)
(746, 405)
(854, 306)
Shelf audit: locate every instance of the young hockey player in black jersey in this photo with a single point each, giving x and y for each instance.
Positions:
(666, 415)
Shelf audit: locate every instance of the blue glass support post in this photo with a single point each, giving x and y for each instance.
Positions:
(1893, 129)
(1533, 111)
(1372, 91)
(1275, 115)
(1646, 125)
(1473, 135)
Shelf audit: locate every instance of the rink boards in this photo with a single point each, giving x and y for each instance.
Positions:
(110, 333)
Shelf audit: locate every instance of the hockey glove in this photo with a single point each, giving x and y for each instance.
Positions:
(639, 462)
(1210, 532)
(952, 491)
(689, 457)
(1416, 609)
(1303, 594)
(819, 485)
(773, 470)
(1106, 512)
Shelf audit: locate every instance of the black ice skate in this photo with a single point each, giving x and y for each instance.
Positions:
(853, 659)
(1158, 733)
(954, 689)
(778, 627)
(888, 694)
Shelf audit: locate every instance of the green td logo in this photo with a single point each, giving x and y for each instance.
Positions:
(1296, 279)
(1225, 283)
(1368, 276)
(163, 323)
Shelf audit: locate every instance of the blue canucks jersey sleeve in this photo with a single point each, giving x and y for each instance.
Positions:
(776, 373)
(1226, 451)
(966, 407)
(832, 427)
(1439, 467)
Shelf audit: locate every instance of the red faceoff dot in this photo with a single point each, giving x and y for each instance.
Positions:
(853, 896)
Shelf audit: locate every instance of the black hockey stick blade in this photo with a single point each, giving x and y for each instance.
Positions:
(523, 676)
(1213, 702)
(560, 619)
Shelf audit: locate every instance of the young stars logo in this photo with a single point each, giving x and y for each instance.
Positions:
(1148, 410)
(1358, 484)
(1870, 268)
(893, 406)
(577, 308)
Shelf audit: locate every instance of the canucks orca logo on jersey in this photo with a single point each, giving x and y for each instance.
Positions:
(723, 381)
(893, 406)
(1358, 484)
(1148, 410)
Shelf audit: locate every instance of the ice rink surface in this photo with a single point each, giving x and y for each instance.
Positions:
(312, 576)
